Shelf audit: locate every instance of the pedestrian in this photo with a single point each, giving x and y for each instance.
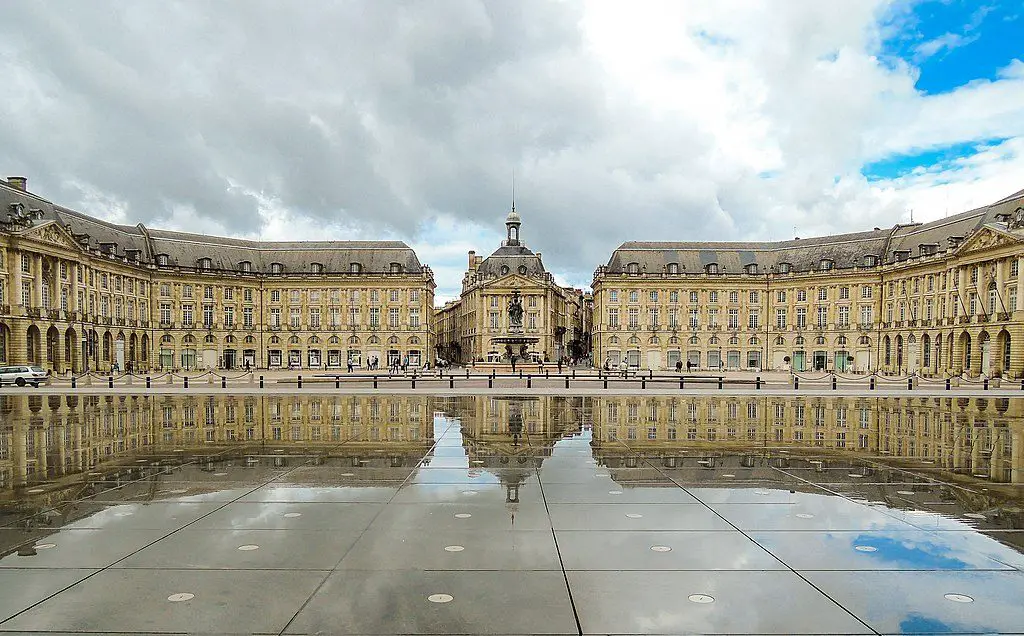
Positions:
(559, 365)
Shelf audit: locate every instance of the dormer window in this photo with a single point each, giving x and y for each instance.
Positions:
(633, 268)
(955, 240)
(928, 249)
(132, 254)
(396, 268)
(317, 268)
(276, 268)
(163, 260)
(205, 263)
(900, 255)
(108, 248)
(751, 268)
(825, 264)
(711, 268)
(355, 268)
(673, 268)
(870, 260)
(785, 268)
(245, 266)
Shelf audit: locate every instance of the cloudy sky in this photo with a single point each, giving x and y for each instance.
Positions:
(716, 120)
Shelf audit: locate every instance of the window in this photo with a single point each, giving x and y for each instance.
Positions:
(712, 296)
(495, 325)
(247, 317)
(229, 316)
(294, 295)
(355, 268)
(414, 295)
(396, 268)
(866, 314)
(187, 315)
(634, 296)
(780, 296)
(374, 317)
(713, 317)
(751, 268)
(780, 318)
(754, 319)
(314, 317)
(652, 317)
(207, 316)
(208, 292)
(414, 317)
(613, 296)
(275, 295)
(825, 265)
(734, 297)
(275, 316)
(823, 293)
(694, 320)
(1014, 268)
(844, 316)
(393, 318)
(844, 293)
(673, 297)
(785, 268)
(634, 318)
(734, 319)
(633, 268)
(276, 268)
(163, 260)
(755, 297)
(673, 268)
(711, 268)
(870, 260)
(654, 295)
(801, 317)
(613, 317)
(393, 296)
(245, 266)
(205, 263)
(294, 317)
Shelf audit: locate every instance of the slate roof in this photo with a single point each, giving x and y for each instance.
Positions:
(844, 250)
(513, 257)
(186, 249)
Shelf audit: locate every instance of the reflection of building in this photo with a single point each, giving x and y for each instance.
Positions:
(466, 327)
(964, 435)
(498, 428)
(48, 438)
(931, 298)
(77, 292)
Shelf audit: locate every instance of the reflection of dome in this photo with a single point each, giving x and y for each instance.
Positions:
(513, 217)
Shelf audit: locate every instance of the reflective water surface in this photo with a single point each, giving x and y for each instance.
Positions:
(365, 515)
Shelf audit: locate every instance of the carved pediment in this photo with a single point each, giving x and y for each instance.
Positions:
(515, 281)
(53, 233)
(987, 238)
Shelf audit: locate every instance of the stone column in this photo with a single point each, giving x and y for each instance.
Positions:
(37, 273)
(73, 300)
(17, 346)
(14, 260)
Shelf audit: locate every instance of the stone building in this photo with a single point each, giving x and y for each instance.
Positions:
(932, 298)
(553, 314)
(79, 293)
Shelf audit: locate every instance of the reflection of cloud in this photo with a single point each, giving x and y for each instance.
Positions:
(921, 555)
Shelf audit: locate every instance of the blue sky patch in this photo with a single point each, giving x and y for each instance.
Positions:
(955, 42)
(931, 160)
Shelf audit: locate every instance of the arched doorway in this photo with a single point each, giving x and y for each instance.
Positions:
(887, 352)
(985, 349)
(938, 352)
(33, 344)
(144, 353)
(108, 347)
(899, 354)
(133, 346)
(965, 347)
(53, 348)
(4, 342)
(926, 352)
(1004, 344)
(72, 357)
(119, 351)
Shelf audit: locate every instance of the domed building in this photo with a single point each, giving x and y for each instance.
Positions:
(468, 329)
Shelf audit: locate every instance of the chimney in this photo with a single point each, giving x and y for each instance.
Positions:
(538, 254)
(18, 183)
(472, 258)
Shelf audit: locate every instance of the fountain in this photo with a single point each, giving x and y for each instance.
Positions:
(517, 345)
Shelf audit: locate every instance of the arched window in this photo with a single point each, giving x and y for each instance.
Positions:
(754, 341)
(396, 268)
(870, 260)
(205, 263)
(522, 270)
(163, 260)
(209, 339)
(841, 341)
(245, 266)
(316, 268)
(276, 268)
(780, 341)
(993, 296)
(785, 268)
(294, 340)
(820, 340)
(633, 268)
(711, 268)
(887, 351)
(355, 268)
(353, 340)
(414, 340)
(799, 340)
(313, 340)
(825, 264)
(275, 340)
(673, 268)
(693, 340)
(751, 268)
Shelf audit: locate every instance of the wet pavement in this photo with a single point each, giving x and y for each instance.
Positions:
(509, 516)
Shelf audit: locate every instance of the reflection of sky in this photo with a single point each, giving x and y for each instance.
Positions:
(920, 554)
(448, 462)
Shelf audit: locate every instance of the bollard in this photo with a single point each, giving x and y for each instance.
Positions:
(574, 374)
(375, 382)
(451, 382)
(185, 382)
(413, 381)
(796, 383)
(223, 381)
(467, 373)
(910, 384)
(680, 383)
(300, 382)
(567, 382)
(721, 382)
(546, 376)
(529, 382)
(948, 383)
(490, 383)
(643, 382)
(492, 374)
(520, 374)
(833, 383)
(149, 382)
(337, 382)
(261, 381)
(74, 382)
(110, 381)
(605, 382)
(984, 385)
(757, 383)
(871, 383)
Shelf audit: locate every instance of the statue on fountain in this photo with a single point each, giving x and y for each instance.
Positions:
(515, 312)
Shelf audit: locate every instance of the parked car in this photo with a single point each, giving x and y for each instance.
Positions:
(22, 375)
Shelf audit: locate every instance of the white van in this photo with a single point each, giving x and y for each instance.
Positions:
(22, 375)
